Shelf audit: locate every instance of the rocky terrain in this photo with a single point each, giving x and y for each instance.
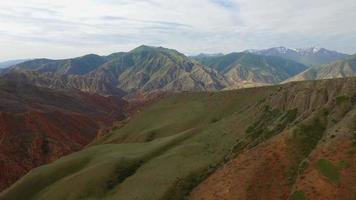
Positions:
(292, 141)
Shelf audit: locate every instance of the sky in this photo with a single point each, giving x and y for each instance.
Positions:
(69, 28)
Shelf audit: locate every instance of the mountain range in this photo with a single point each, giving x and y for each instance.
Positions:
(312, 56)
(142, 69)
(149, 69)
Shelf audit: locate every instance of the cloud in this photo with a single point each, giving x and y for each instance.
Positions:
(225, 3)
(61, 28)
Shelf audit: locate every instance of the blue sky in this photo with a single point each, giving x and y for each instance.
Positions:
(67, 28)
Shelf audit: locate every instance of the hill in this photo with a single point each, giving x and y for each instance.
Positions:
(338, 69)
(312, 56)
(243, 68)
(39, 125)
(292, 141)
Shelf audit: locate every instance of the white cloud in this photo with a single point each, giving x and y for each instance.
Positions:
(66, 28)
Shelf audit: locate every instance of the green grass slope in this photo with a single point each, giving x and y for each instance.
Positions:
(162, 152)
(165, 151)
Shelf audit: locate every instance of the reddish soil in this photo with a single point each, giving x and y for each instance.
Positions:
(259, 173)
(265, 172)
(39, 125)
(317, 186)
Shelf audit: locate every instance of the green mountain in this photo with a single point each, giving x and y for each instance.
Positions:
(241, 68)
(268, 143)
(338, 69)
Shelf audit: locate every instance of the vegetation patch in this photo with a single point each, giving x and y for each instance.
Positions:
(343, 164)
(305, 138)
(342, 99)
(298, 195)
(352, 152)
(308, 135)
(214, 120)
(121, 174)
(45, 146)
(327, 169)
(270, 123)
(353, 99)
(292, 174)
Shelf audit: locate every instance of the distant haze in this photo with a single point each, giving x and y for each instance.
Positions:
(64, 28)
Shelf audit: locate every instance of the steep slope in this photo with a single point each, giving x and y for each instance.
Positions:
(312, 56)
(257, 143)
(338, 69)
(39, 125)
(246, 68)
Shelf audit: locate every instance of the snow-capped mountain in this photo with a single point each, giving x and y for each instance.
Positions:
(307, 56)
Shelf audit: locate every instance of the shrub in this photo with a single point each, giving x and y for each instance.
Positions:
(327, 169)
(298, 195)
(341, 99)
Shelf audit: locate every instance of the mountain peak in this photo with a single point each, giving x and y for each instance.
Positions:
(143, 48)
(310, 50)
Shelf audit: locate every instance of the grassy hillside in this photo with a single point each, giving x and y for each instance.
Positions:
(167, 150)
